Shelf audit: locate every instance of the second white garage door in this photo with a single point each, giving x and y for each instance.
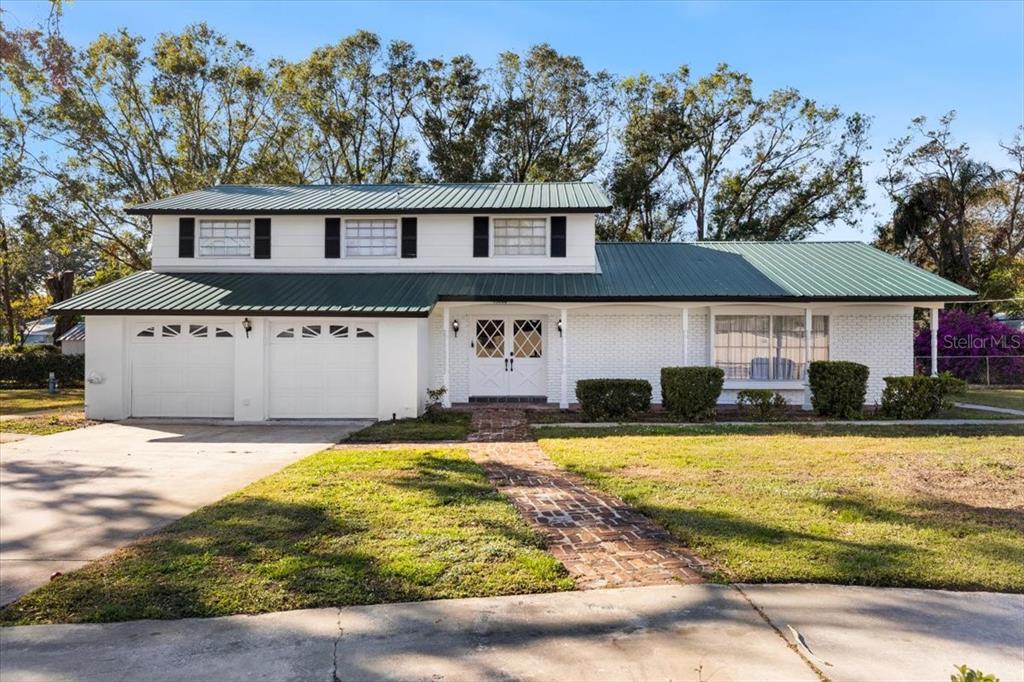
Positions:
(322, 369)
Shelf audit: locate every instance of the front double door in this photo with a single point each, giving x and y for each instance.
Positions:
(508, 358)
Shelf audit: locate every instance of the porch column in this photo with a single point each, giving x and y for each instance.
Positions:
(686, 336)
(446, 401)
(711, 337)
(935, 342)
(808, 330)
(563, 402)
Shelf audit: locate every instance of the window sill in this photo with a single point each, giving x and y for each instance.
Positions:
(739, 384)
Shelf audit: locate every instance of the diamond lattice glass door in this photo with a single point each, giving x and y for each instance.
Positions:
(527, 370)
(489, 366)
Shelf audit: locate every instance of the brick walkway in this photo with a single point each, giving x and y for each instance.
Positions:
(601, 540)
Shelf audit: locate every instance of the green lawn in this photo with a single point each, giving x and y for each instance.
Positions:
(898, 505)
(339, 527)
(21, 400)
(44, 425)
(446, 426)
(1012, 398)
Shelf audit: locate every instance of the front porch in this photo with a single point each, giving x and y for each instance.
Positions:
(532, 354)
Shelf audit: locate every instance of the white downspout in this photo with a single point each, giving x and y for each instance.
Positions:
(935, 342)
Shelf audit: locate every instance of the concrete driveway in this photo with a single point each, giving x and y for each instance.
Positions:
(72, 497)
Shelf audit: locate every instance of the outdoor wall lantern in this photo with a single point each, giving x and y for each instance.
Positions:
(247, 326)
(455, 328)
(559, 329)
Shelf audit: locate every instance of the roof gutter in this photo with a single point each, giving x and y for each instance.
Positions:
(141, 210)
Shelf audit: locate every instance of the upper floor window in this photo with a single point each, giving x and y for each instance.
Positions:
(767, 347)
(225, 238)
(371, 237)
(520, 237)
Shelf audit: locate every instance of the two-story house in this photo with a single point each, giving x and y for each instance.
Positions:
(276, 302)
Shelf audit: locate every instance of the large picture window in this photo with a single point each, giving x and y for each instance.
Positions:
(767, 347)
(520, 237)
(232, 238)
(371, 237)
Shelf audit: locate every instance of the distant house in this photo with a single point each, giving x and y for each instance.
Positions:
(40, 332)
(72, 342)
(269, 302)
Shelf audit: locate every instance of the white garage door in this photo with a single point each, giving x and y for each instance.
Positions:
(323, 369)
(182, 368)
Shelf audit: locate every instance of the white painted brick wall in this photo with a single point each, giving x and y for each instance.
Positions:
(624, 346)
(638, 345)
(884, 341)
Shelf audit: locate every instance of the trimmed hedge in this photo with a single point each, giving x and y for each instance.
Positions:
(765, 404)
(919, 397)
(838, 388)
(604, 399)
(30, 367)
(691, 392)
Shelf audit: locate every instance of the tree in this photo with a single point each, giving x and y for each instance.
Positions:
(551, 116)
(355, 100)
(134, 128)
(455, 119)
(781, 167)
(958, 216)
(646, 204)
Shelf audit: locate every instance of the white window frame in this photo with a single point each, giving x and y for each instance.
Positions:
(345, 241)
(771, 315)
(493, 236)
(213, 219)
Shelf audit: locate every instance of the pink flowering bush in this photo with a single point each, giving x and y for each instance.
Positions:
(965, 340)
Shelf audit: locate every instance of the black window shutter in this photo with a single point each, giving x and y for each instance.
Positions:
(186, 237)
(332, 237)
(261, 247)
(481, 238)
(408, 237)
(558, 236)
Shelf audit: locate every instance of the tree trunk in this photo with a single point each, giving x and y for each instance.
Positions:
(61, 286)
(5, 285)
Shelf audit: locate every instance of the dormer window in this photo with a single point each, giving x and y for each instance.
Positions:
(520, 237)
(371, 237)
(230, 238)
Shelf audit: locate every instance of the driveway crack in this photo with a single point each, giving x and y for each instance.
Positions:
(337, 641)
(791, 646)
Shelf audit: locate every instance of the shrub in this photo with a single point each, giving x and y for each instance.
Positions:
(974, 347)
(763, 403)
(30, 367)
(691, 392)
(838, 388)
(604, 399)
(919, 397)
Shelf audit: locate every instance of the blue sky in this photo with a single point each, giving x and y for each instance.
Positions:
(892, 61)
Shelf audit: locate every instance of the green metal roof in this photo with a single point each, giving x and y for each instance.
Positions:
(719, 271)
(497, 197)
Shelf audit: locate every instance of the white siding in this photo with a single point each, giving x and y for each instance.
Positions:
(444, 243)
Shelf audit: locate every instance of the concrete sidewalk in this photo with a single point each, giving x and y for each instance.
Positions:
(681, 632)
